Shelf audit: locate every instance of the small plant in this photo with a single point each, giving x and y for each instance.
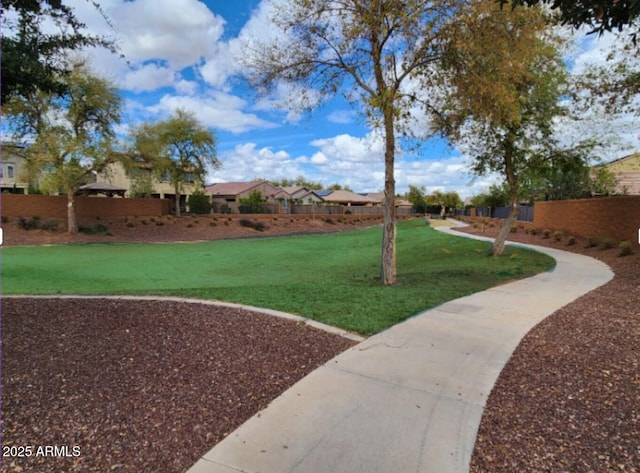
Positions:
(5, 219)
(144, 222)
(491, 224)
(226, 222)
(557, 235)
(29, 224)
(96, 229)
(153, 219)
(626, 248)
(571, 241)
(159, 223)
(213, 223)
(606, 243)
(190, 225)
(591, 242)
(514, 229)
(131, 224)
(258, 226)
(329, 221)
(533, 231)
(546, 234)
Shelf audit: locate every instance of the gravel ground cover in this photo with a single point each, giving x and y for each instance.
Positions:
(568, 400)
(140, 386)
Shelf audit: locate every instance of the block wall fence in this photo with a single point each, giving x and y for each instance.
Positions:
(613, 217)
(55, 207)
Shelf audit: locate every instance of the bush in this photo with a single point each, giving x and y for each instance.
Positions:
(606, 244)
(131, 224)
(329, 221)
(96, 229)
(533, 231)
(29, 224)
(259, 226)
(591, 242)
(571, 241)
(514, 229)
(5, 219)
(546, 234)
(199, 203)
(557, 236)
(159, 223)
(626, 248)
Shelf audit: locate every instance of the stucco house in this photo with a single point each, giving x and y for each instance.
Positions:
(12, 172)
(350, 199)
(227, 195)
(627, 172)
(302, 195)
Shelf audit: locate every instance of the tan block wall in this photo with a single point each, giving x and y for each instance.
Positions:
(613, 217)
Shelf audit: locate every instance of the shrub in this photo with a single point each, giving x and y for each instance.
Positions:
(329, 221)
(591, 242)
(144, 222)
(347, 212)
(96, 229)
(626, 248)
(5, 219)
(533, 231)
(213, 223)
(571, 241)
(557, 235)
(190, 225)
(29, 224)
(606, 243)
(199, 203)
(546, 234)
(514, 229)
(131, 224)
(259, 226)
(159, 223)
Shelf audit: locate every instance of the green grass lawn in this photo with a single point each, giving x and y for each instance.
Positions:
(332, 278)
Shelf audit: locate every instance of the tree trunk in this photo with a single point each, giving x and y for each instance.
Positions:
(177, 194)
(388, 271)
(512, 179)
(72, 222)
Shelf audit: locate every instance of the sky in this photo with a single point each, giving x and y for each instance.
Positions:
(184, 54)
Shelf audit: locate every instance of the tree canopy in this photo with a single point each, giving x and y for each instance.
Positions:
(600, 15)
(180, 147)
(70, 137)
(34, 57)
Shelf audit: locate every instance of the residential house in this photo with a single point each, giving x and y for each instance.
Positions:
(350, 199)
(161, 187)
(627, 172)
(302, 195)
(12, 172)
(225, 196)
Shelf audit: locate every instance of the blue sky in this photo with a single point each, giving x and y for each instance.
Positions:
(183, 53)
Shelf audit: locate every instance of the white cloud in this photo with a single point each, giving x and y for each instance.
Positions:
(342, 116)
(218, 110)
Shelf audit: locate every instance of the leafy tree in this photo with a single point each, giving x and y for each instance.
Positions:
(180, 147)
(506, 78)
(298, 181)
(71, 136)
(373, 51)
(339, 187)
(601, 15)
(496, 196)
(199, 203)
(34, 55)
(604, 182)
(450, 200)
(254, 203)
(416, 197)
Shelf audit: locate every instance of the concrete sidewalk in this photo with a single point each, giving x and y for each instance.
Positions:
(409, 399)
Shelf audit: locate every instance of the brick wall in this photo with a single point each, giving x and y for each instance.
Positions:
(613, 217)
(55, 207)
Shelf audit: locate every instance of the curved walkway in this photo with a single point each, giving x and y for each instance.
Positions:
(409, 399)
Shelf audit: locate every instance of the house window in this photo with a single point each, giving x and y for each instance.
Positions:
(188, 178)
(10, 171)
(165, 177)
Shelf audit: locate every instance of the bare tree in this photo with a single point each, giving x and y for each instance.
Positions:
(373, 51)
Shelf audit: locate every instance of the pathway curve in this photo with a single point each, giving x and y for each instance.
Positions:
(409, 399)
